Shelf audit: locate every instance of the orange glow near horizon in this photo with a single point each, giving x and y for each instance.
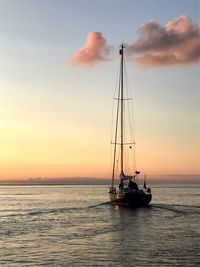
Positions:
(58, 160)
(28, 151)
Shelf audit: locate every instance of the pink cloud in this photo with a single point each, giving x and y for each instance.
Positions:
(176, 43)
(94, 50)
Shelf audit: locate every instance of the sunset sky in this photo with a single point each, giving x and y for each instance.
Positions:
(58, 69)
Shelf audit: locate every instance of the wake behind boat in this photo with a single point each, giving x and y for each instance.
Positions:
(127, 193)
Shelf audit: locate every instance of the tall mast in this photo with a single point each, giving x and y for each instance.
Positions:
(121, 51)
(120, 107)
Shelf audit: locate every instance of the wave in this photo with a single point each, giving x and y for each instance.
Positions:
(42, 212)
(99, 205)
(181, 209)
(37, 212)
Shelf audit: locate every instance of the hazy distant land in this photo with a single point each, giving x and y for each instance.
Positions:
(186, 179)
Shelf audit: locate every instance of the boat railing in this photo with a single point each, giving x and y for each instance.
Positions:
(112, 190)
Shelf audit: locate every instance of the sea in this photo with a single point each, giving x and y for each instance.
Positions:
(75, 225)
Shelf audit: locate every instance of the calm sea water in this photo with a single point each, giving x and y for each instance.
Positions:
(76, 226)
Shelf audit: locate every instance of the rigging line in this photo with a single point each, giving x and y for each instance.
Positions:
(129, 95)
(129, 160)
(126, 160)
(130, 137)
(131, 116)
(116, 131)
(113, 104)
(117, 161)
(130, 121)
(131, 143)
(129, 92)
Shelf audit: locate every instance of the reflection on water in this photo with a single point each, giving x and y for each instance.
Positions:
(76, 226)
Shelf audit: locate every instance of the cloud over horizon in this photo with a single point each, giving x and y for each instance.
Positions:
(175, 43)
(94, 50)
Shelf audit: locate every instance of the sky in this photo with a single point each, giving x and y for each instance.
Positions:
(56, 97)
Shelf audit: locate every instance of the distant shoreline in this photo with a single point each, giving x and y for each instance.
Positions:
(168, 179)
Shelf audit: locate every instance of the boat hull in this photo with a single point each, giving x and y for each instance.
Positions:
(131, 199)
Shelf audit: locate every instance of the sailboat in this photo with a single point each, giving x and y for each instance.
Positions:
(128, 191)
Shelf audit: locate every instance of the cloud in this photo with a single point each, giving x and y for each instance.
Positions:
(175, 43)
(94, 50)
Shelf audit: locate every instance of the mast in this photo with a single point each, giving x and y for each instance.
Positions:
(121, 51)
(120, 107)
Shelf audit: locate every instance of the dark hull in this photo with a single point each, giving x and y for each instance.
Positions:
(131, 199)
